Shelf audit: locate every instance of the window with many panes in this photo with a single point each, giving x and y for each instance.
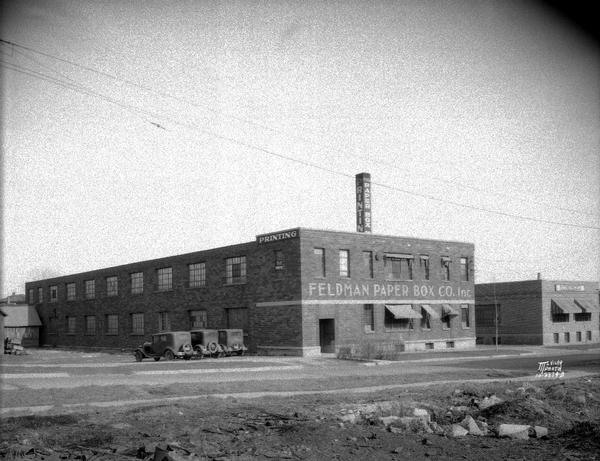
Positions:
(425, 319)
(71, 324)
(53, 293)
(319, 255)
(137, 323)
(90, 289)
(164, 279)
(71, 292)
(344, 263)
(578, 336)
(112, 324)
(40, 295)
(567, 337)
(465, 315)
(560, 317)
(583, 316)
(136, 280)
(588, 335)
(112, 286)
(235, 270)
(368, 263)
(556, 338)
(90, 324)
(198, 319)
(368, 318)
(30, 294)
(164, 323)
(392, 323)
(399, 267)
(424, 263)
(197, 275)
(464, 269)
(445, 263)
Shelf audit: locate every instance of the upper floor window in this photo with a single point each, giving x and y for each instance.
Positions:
(235, 270)
(197, 275)
(90, 289)
(279, 262)
(344, 263)
(112, 286)
(40, 295)
(464, 269)
(445, 262)
(424, 262)
(164, 323)
(137, 283)
(164, 279)
(30, 296)
(399, 266)
(319, 255)
(368, 263)
(71, 292)
(53, 293)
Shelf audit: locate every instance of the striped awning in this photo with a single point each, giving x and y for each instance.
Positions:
(432, 313)
(586, 306)
(447, 310)
(564, 306)
(403, 311)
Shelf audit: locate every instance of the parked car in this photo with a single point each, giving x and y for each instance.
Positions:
(205, 343)
(232, 341)
(169, 344)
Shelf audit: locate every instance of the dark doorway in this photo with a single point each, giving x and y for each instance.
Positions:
(327, 335)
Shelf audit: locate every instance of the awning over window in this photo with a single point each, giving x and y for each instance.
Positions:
(403, 311)
(587, 306)
(564, 306)
(447, 310)
(399, 256)
(432, 313)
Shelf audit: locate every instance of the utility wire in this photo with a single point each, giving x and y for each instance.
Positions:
(292, 159)
(274, 130)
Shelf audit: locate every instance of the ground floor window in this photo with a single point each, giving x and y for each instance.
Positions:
(164, 323)
(578, 336)
(583, 317)
(137, 324)
(112, 324)
(556, 338)
(392, 323)
(567, 337)
(560, 317)
(589, 335)
(465, 316)
(368, 318)
(425, 320)
(198, 319)
(90, 324)
(446, 322)
(71, 324)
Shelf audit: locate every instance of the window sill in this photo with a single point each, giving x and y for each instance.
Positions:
(232, 284)
(169, 290)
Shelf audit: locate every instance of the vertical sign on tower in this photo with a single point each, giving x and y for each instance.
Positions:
(363, 202)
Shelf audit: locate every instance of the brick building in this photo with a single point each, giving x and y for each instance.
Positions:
(537, 312)
(299, 291)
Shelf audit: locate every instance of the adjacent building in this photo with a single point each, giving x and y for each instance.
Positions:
(21, 321)
(543, 312)
(298, 291)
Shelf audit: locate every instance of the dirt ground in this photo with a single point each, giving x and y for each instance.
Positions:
(319, 427)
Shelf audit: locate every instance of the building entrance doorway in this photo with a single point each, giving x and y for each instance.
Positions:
(327, 335)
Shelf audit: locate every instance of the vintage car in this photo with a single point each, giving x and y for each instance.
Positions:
(205, 343)
(168, 344)
(232, 341)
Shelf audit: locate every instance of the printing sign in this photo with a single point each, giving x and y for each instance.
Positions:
(277, 236)
(568, 287)
(363, 202)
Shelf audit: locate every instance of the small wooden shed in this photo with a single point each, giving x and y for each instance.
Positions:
(22, 323)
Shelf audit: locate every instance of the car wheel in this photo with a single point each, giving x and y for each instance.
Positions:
(212, 348)
(138, 356)
(169, 355)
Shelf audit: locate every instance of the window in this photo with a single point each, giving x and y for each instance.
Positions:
(567, 337)
(368, 318)
(137, 324)
(235, 270)
(368, 263)
(53, 293)
(425, 320)
(71, 292)
(137, 283)
(578, 336)
(556, 338)
(319, 262)
(198, 319)
(90, 289)
(588, 335)
(583, 317)
(197, 275)
(40, 295)
(344, 267)
(446, 322)
(424, 262)
(164, 279)
(279, 260)
(399, 267)
(52, 326)
(465, 315)
(163, 321)
(112, 286)
(559, 317)
(90, 324)
(392, 323)
(71, 324)
(30, 296)
(464, 269)
(446, 268)
(112, 324)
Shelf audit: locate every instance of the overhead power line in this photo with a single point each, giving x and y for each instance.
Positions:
(84, 90)
(303, 139)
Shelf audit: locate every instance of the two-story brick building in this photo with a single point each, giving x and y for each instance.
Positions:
(537, 312)
(299, 291)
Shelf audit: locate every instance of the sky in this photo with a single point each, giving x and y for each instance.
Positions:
(141, 129)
